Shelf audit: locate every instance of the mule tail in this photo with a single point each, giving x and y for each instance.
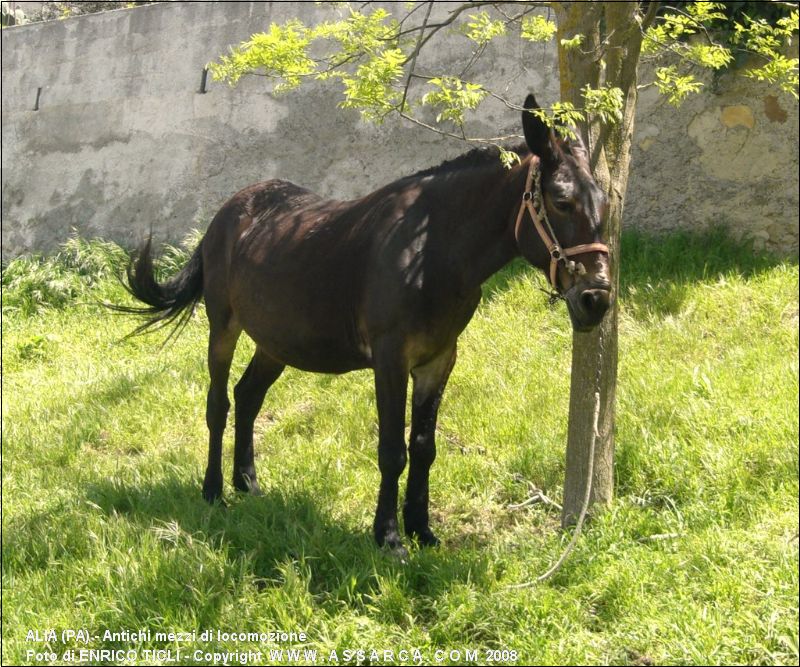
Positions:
(171, 303)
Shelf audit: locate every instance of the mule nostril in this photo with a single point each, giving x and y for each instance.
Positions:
(595, 301)
(589, 299)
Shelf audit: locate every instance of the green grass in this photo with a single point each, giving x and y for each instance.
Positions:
(104, 448)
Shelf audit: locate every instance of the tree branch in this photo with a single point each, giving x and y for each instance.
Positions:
(492, 141)
(697, 23)
(477, 53)
(491, 93)
(414, 55)
(650, 15)
(408, 15)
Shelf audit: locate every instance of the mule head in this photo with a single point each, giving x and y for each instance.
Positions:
(572, 207)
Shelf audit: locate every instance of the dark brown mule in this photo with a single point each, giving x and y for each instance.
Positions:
(386, 282)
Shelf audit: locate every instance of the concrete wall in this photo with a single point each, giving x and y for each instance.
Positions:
(123, 141)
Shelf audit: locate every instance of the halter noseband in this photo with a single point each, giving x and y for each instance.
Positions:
(531, 199)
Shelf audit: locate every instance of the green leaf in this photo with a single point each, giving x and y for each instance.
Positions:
(562, 118)
(706, 12)
(573, 42)
(537, 29)
(453, 97)
(605, 102)
(360, 33)
(508, 158)
(672, 27)
(711, 56)
(770, 42)
(676, 87)
(482, 28)
(781, 71)
(370, 89)
(280, 53)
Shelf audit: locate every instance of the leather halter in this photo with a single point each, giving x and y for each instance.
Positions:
(531, 198)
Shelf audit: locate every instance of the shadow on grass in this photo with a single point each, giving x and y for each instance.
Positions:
(658, 272)
(282, 526)
(690, 256)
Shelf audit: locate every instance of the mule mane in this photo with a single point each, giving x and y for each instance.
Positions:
(477, 157)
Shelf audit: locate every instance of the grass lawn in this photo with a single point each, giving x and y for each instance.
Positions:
(104, 448)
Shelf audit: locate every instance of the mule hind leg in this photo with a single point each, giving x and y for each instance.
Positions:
(221, 346)
(249, 395)
(429, 383)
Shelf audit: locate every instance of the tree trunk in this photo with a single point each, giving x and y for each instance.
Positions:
(609, 55)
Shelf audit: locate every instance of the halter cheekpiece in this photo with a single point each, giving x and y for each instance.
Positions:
(533, 202)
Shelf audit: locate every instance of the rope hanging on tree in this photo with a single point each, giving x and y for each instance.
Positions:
(588, 486)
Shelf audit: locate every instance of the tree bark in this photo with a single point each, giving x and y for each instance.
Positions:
(609, 55)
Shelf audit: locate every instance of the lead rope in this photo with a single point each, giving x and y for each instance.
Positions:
(588, 485)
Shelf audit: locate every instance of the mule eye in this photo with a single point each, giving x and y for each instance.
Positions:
(563, 204)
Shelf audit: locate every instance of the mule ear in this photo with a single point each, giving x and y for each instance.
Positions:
(538, 135)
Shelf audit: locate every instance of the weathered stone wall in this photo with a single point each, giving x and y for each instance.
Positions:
(123, 141)
(728, 156)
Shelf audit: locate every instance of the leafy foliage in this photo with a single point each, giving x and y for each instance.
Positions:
(482, 29)
(676, 25)
(670, 36)
(693, 35)
(366, 53)
(537, 28)
(372, 55)
(573, 42)
(674, 85)
(281, 53)
(562, 117)
(605, 102)
(770, 41)
(366, 40)
(360, 33)
(371, 89)
(453, 97)
(509, 158)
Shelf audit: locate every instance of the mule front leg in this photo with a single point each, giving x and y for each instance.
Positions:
(391, 385)
(429, 384)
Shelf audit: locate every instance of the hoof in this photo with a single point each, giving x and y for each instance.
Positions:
(247, 484)
(214, 498)
(212, 487)
(393, 545)
(425, 538)
(397, 551)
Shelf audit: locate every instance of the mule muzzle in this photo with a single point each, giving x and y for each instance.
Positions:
(588, 305)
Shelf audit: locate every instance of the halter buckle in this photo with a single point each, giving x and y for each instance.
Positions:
(556, 253)
(527, 196)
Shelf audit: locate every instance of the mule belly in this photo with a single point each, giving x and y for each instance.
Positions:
(317, 355)
(316, 340)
